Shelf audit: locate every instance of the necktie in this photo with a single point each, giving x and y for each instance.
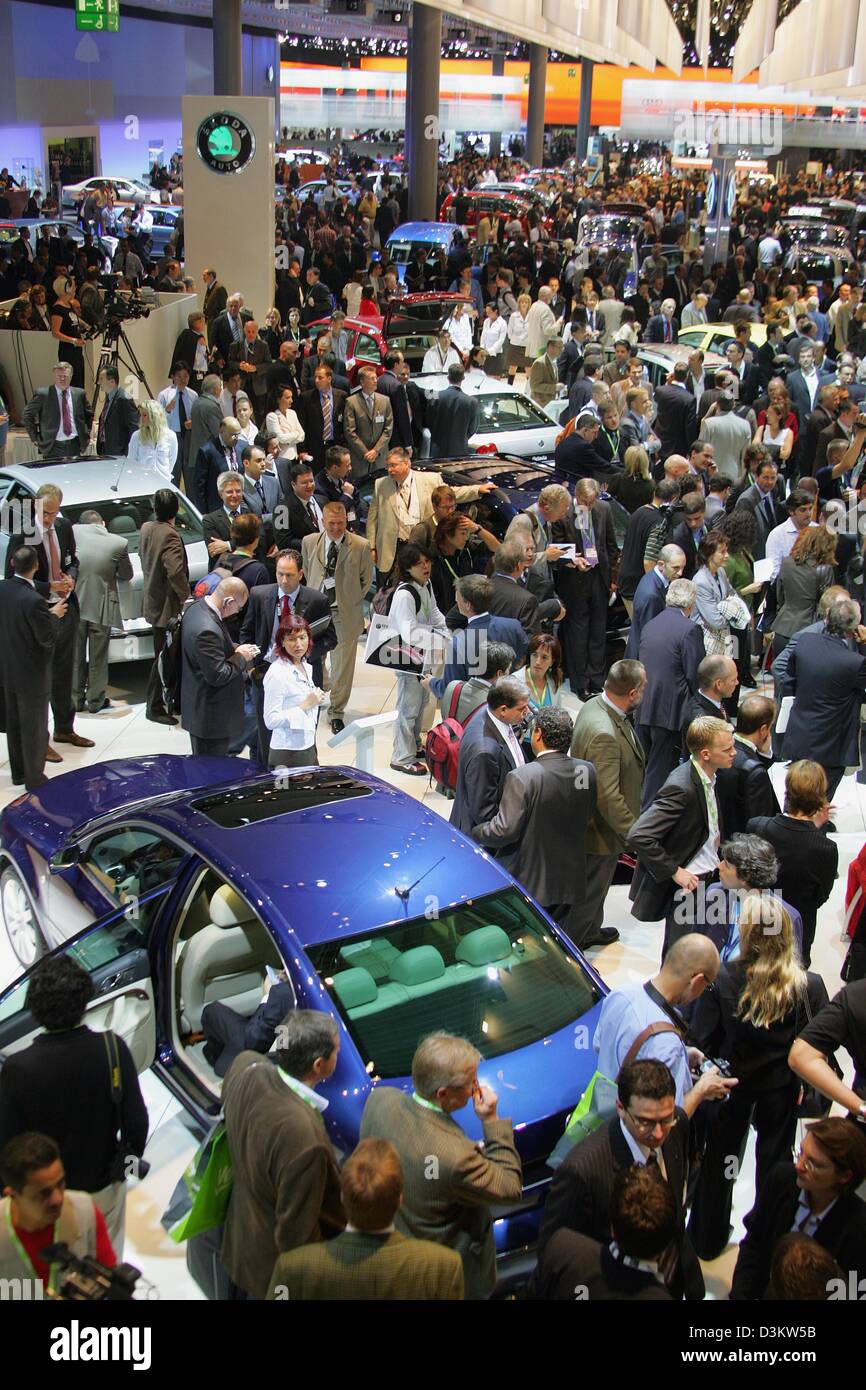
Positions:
(667, 331)
(260, 490)
(54, 551)
(331, 563)
(67, 412)
(327, 427)
(234, 405)
(234, 514)
(181, 409)
(767, 505)
(236, 328)
(100, 435)
(231, 461)
(312, 515)
(408, 406)
(285, 608)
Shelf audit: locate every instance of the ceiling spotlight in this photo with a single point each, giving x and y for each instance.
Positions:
(397, 17)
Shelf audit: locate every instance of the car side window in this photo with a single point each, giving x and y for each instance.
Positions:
(719, 342)
(506, 413)
(366, 348)
(129, 861)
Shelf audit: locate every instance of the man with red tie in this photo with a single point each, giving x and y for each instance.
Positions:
(662, 326)
(53, 540)
(118, 418)
(56, 418)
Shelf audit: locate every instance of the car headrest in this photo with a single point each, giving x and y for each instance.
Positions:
(484, 946)
(122, 525)
(418, 966)
(355, 987)
(228, 909)
(377, 956)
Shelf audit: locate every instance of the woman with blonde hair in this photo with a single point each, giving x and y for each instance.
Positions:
(759, 1003)
(633, 487)
(517, 333)
(153, 444)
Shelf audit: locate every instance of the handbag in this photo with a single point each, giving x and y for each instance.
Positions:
(200, 1199)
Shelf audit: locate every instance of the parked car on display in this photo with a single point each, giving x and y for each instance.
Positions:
(659, 359)
(409, 324)
(404, 242)
(11, 229)
(820, 262)
(599, 233)
(123, 190)
(316, 187)
(176, 881)
(123, 495)
(714, 337)
(510, 422)
(501, 207)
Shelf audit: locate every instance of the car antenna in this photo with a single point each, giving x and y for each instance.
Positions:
(403, 893)
(114, 485)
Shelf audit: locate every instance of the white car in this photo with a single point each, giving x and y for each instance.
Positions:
(124, 190)
(511, 423)
(123, 495)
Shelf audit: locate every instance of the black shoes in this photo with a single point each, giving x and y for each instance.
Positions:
(605, 936)
(337, 726)
(160, 717)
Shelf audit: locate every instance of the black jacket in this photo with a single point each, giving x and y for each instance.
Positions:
(258, 620)
(295, 523)
(60, 1086)
(121, 422)
(212, 677)
(745, 790)
(68, 557)
(579, 1195)
(581, 459)
(676, 421)
(483, 764)
(573, 1261)
(665, 837)
(829, 683)
(842, 1232)
(27, 637)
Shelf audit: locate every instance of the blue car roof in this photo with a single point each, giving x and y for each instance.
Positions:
(423, 231)
(328, 871)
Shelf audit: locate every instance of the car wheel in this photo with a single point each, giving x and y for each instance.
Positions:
(19, 919)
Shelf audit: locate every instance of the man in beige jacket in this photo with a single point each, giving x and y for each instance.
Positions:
(340, 565)
(368, 423)
(401, 501)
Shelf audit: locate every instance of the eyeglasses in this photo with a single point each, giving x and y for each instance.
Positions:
(808, 1164)
(647, 1126)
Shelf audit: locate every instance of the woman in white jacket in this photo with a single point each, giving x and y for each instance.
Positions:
(517, 334)
(153, 442)
(291, 699)
(284, 423)
(415, 616)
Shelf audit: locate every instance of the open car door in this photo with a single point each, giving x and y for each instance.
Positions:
(114, 951)
(420, 313)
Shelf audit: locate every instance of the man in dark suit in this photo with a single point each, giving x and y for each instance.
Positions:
(302, 514)
(417, 403)
(676, 839)
(320, 411)
(212, 679)
(28, 632)
(227, 328)
(662, 327)
(671, 651)
(53, 540)
(676, 421)
(254, 360)
(333, 482)
(228, 1033)
(206, 417)
(650, 594)
(576, 453)
(187, 344)
(56, 417)
(689, 530)
(466, 652)
(643, 1225)
(584, 586)
(647, 1124)
(452, 418)
(262, 490)
(816, 421)
(539, 829)
(217, 525)
(761, 500)
(717, 680)
(215, 298)
(745, 790)
(829, 685)
(390, 385)
(268, 604)
(510, 599)
(219, 456)
(842, 429)
(489, 750)
(118, 418)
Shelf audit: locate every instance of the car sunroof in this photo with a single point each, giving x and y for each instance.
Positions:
(267, 800)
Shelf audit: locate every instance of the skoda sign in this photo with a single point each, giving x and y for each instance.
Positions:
(712, 193)
(225, 142)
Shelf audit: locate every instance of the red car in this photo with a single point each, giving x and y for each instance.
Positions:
(409, 325)
(502, 207)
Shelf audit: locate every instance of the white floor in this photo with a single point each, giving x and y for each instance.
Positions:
(126, 733)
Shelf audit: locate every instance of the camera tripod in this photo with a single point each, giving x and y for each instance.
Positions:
(114, 344)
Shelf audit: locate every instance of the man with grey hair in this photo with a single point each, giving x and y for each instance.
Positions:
(539, 830)
(286, 1189)
(205, 419)
(671, 651)
(650, 594)
(829, 686)
(103, 560)
(212, 677)
(662, 328)
(551, 506)
(541, 324)
(449, 1183)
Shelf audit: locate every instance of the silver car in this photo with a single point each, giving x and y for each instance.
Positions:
(511, 423)
(123, 496)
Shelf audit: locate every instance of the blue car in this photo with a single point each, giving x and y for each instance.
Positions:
(176, 881)
(404, 242)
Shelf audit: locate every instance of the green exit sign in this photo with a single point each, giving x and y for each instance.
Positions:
(101, 15)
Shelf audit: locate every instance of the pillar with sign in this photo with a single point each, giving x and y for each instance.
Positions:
(721, 201)
(228, 176)
(98, 15)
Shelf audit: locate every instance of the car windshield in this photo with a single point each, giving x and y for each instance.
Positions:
(402, 252)
(125, 516)
(509, 412)
(488, 970)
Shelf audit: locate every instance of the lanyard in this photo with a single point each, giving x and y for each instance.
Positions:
(449, 566)
(22, 1253)
(427, 1104)
(539, 699)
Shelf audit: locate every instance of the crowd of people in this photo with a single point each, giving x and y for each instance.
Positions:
(723, 511)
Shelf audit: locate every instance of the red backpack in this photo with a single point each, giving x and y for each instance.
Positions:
(442, 745)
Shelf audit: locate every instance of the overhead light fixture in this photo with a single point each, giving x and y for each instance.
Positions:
(396, 16)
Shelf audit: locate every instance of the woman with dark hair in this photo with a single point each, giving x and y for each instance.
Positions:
(291, 699)
(451, 559)
(740, 529)
(543, 675)
(803, 577)
(815, 1195)
(416, 619)
(808, 859)
(717, 608)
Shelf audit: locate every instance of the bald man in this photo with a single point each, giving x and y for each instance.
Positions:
(212, 680)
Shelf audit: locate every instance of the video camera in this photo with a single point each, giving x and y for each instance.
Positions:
(120, 308)
(85, 1280)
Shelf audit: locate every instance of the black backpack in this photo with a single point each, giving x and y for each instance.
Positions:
(170, 664)
(385, 597)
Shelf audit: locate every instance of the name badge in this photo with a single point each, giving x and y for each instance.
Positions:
(330, 583)
(380, 420)
(590, 554)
